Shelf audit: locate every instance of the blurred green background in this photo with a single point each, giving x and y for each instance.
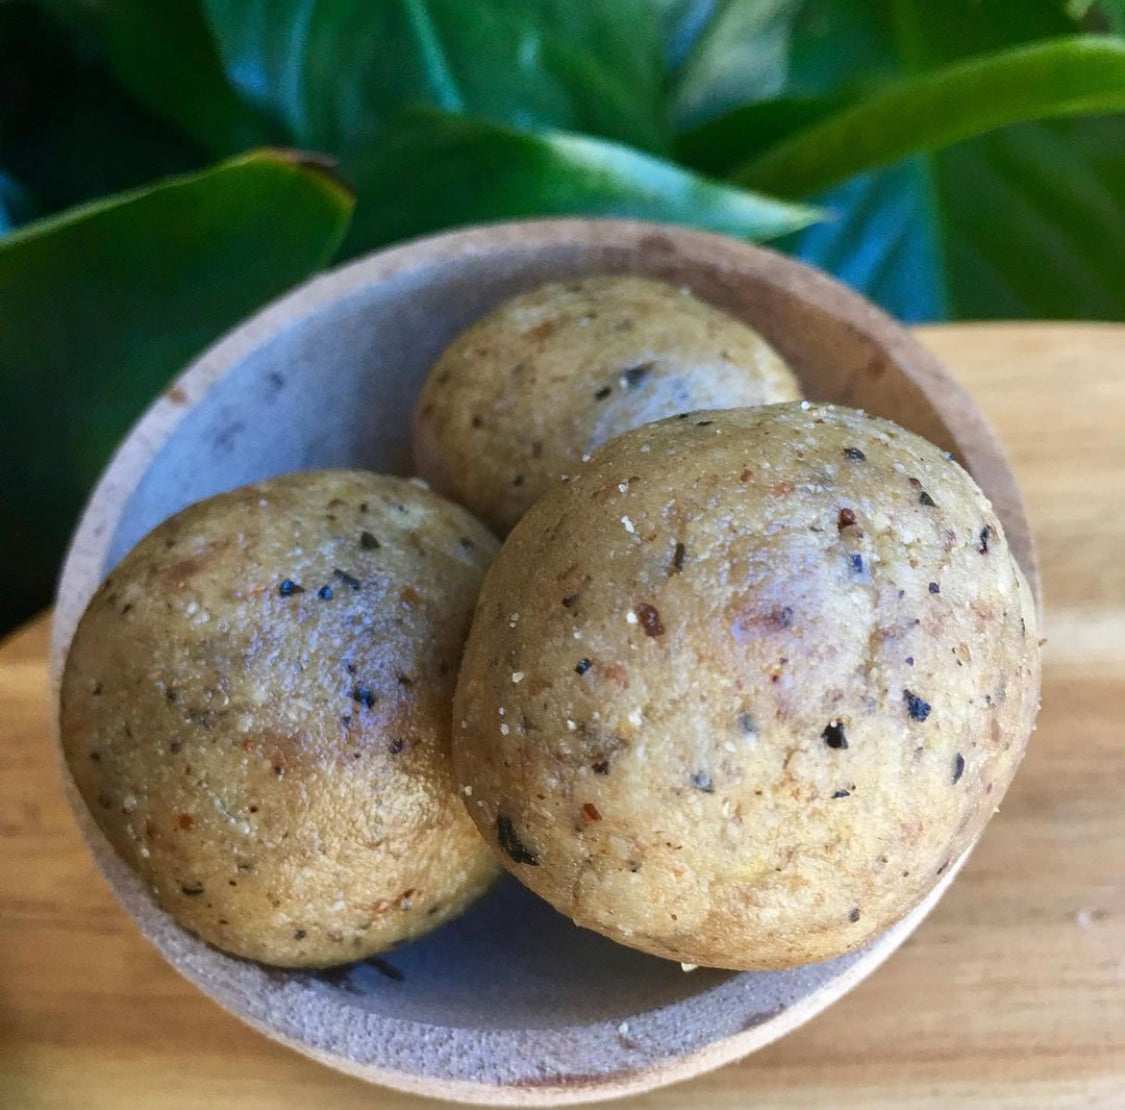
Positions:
(957, 159)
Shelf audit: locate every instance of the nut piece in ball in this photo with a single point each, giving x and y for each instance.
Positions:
(746, 686)
(255, 708)
(525, 394)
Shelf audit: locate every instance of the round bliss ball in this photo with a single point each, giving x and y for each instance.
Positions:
(741, 691)
(527, 393)
(256, 710)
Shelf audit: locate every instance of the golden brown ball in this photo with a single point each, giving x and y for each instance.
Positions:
(746, 686)
(256, 705)
(525, 394)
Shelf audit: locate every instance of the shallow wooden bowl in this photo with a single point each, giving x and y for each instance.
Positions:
(511, 1003)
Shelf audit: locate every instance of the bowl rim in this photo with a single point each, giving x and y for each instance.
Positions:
(81, 572)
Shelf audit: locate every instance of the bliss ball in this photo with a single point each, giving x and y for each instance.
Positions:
(256, 710)
(741, 691)
(526, 394)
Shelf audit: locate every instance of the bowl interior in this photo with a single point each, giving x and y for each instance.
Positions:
(512, 1002)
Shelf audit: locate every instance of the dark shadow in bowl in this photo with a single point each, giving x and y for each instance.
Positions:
(516, 960)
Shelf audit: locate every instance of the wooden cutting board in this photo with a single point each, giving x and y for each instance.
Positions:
(1012, 993)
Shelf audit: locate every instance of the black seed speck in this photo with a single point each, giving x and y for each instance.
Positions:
(404, 680)
(517, 480)
(288, 588)
(96, 757)
(467, 543)
(701, 780)
(396, 746)
(678, 557)
(582, 666)
(569, 601)
(477, 421)
(854, 915)
(637, 374)
(97, 690)
(747, 725)
(925, 499)
(934, 588)
(603, 393)
(855, 561)
(368, 542)
(364, 696)
(349, 667)
(511, 843)
(909, 660)
(918, 708)
(324, 593)
(601, 767)
(834, 736)
(855, 454)
(958, 767)
(842, 794)
(985, 532)
(299, 934)
(704, 423)
(347, 579)
(192, 890)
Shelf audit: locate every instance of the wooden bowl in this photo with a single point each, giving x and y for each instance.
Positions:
(511, 1004)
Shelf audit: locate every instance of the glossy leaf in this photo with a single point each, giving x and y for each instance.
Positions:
(960, 231)
(440, 170)
(1078, 75)
(1026, 222)
(162, 52)
(100, 306)
(336, 75)
(726, 53)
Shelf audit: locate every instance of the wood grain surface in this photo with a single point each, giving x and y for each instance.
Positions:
(1011, 994)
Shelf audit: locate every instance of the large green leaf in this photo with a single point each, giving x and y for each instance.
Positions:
(162, 52)
(336, 75)
(67, 132)
(1026, 222)
(1076, 75)
(100, 306)
(969, 230)
(440, 170)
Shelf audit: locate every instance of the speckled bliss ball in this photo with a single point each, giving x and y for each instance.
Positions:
(255, 708)
(523, 395)
(747, 685)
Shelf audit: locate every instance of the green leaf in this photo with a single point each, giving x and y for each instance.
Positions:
(1114, 12)
(726, 53)
(1078, 75)
(103, 304)
(443, 170)
(1027, 222)
(162, 52)
(335, 75)
(86, 138)
(968, 230)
